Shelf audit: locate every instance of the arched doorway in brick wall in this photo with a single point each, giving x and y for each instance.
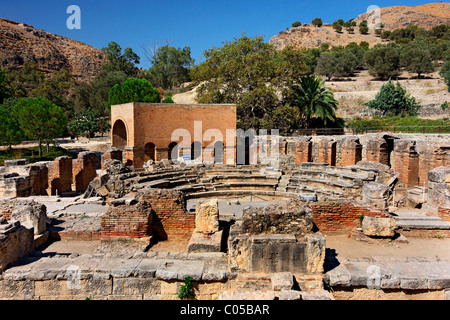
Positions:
(149, 152)
(119, 135)
(173, 151)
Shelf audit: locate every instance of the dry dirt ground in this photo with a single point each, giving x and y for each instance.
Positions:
(416, 247)
(343, 246)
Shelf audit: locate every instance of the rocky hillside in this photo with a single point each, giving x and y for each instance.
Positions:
(21, 43)
(426, 16)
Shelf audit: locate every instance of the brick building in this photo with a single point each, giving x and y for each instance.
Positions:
(152, 131)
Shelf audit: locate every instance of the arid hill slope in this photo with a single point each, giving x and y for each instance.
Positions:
(426, 16)
(21, 43)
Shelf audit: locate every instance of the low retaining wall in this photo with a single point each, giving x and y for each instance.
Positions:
(152, 276)
(340, 217)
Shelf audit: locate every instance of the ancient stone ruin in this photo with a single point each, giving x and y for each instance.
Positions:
(240, 231)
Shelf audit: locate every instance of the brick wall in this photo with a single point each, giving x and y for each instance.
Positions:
(444, 213)
(377, 151)
(340, 217)
(351, 152)
(156, 123)
(303, 152)
(59, 175)
(170, 218)
(160, 213)
(131, 221)
(407, 163)
(327, 152)
(84, 170)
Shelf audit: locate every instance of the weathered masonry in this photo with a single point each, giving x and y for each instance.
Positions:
(18, 178)
(167, 131)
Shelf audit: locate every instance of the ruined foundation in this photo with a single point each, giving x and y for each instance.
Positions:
(272, 247)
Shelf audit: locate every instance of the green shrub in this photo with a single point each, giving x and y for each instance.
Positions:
(393, 100)
(186, 290)
(168, 100)
(317, 22)
(296, 24)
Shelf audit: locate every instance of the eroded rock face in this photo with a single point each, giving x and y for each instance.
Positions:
(379, 226)
(24, 44)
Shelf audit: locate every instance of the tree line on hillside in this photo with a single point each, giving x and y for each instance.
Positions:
(272, 89)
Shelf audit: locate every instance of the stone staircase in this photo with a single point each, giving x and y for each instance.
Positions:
(417, 219)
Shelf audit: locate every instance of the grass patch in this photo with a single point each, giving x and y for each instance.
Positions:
(32, 154)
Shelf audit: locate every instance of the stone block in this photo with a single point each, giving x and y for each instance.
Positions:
(207, 217)
(31, 215)
(16, 243)
(379, 226)
(282, 281)
(205, 243)
(338, 277)
(290, 295)
(440, 174)
(135, 286)
(146, 268)
(374, 190)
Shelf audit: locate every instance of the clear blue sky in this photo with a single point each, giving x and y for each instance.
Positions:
(199, 24)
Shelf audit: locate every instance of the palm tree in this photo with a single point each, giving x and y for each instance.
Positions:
(314, 99)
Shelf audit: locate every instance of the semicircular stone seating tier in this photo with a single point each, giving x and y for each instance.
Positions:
(220, 180)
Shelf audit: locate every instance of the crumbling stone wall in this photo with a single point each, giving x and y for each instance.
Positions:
(431, 155)
(412, 155)
(111, 154)
(84, 170)
(157, 212)
(20, 179)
